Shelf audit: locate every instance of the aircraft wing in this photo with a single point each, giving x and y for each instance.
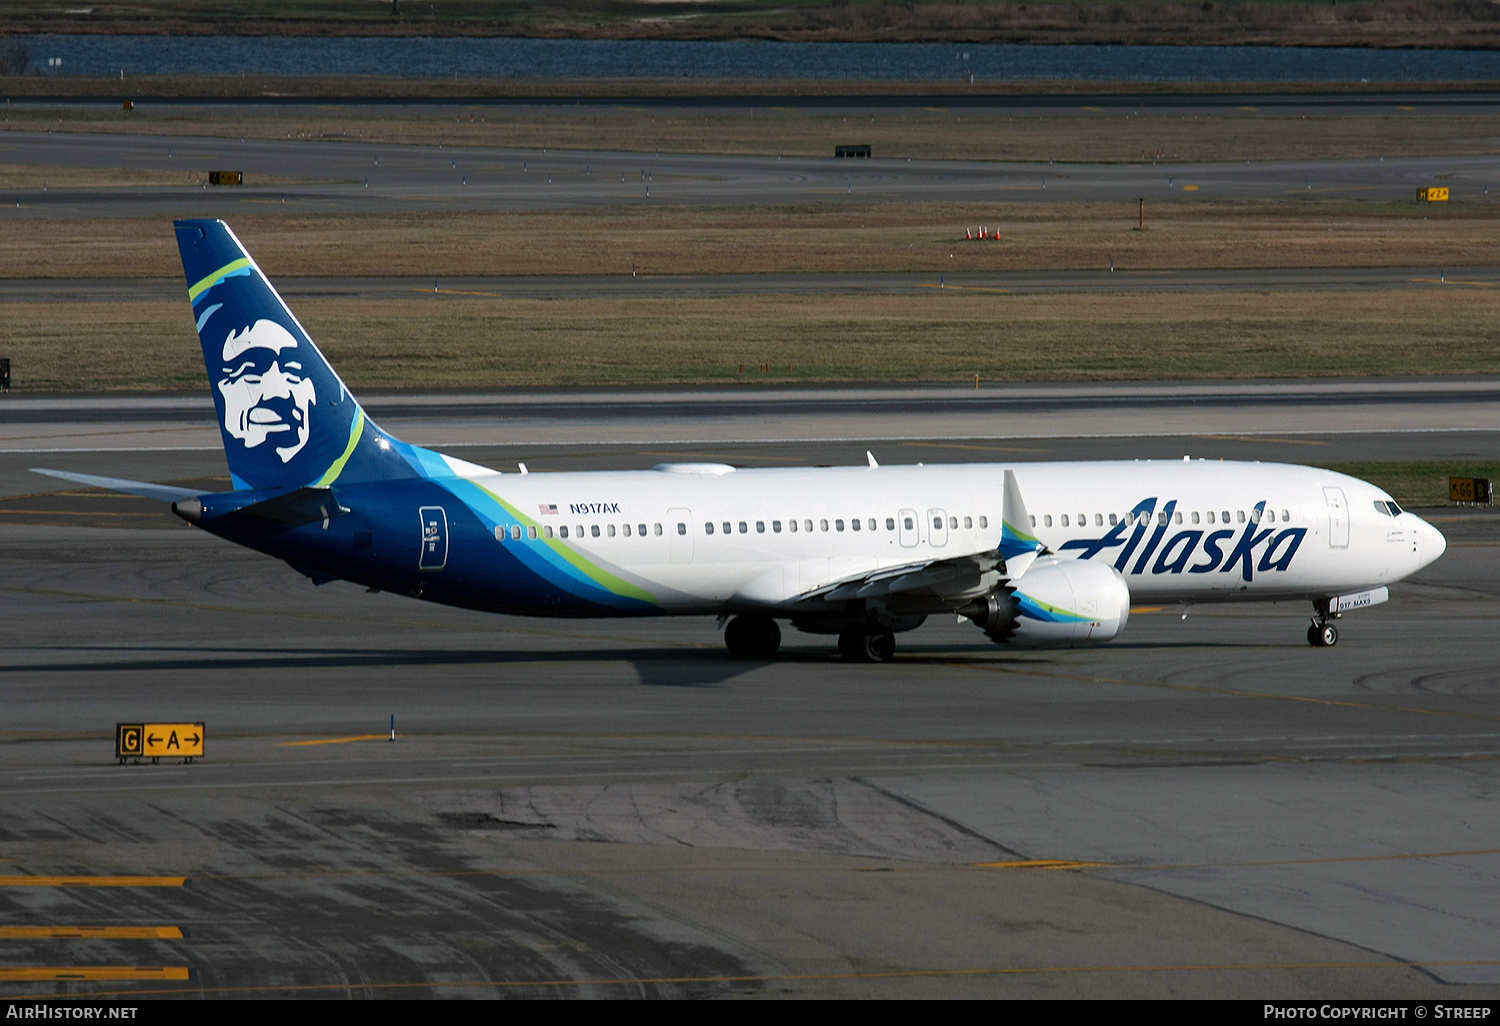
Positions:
(161, 492)
(954, 578)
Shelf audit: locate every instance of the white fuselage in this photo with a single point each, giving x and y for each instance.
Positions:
(716, 538)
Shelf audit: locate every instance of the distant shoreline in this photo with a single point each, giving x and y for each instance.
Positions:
(1374, 24)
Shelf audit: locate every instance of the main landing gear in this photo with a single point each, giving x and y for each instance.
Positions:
(867, 643)
(757, 637)
(752, 637)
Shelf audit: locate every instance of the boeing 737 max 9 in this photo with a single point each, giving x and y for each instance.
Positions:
(1033, 553)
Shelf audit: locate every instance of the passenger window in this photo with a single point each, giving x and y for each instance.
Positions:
(708, 528)
(640, 529)
(776, 526)
(822, 525)
(968, 523)
(1161, 518)
(547, 532)
(681, 527)
(760, 527)
(1240, 515)
(744, 527)
(807, 526)
(611, 530)
(1113, 520)
(890, 523)
(1098, 519)
(1210, 516)
(1033, 520)
(854, 523)
(562, 532)
(657, 528)
(1177, 518)
(727, 529)
(1083, 520)
(792, 526)
(838, 525)
(1065, 520)
(580, 530)
(1224, 515)
(871, 524)
(1285, 516)
(515, 532)
(1047, 519)
(594, 530)
(984, 522)
(1255, 516)
(626, 529)
(531, 533)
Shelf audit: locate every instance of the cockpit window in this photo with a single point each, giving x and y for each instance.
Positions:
(1389, 509)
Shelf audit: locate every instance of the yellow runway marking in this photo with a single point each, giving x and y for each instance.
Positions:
(892, 974)
(1400, 107)
(1261, 438)
(1039, 864)
(1146, 609)
(458, 292)
(981, 448)
(92, 881)
(966, 288)
(1249, 108)
(1189, 188)
(96, 972)
(1455, 281)
(1091, 108)
(333, 740)
(90, 932)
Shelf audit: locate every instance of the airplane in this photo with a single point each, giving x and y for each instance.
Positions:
(860, 552)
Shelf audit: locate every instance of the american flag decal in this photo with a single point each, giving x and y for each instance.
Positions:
(548, 509)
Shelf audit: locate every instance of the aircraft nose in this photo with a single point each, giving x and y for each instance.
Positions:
(1433, 543)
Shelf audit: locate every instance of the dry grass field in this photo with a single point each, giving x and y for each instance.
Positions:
(435, 341)
(809, 238)
(1079, 133)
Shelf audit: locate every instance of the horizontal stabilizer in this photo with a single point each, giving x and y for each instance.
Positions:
(302, 506)
(161, 492)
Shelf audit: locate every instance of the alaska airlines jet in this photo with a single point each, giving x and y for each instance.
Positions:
(1035, 554)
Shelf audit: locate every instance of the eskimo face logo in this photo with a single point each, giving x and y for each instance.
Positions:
(264, 394)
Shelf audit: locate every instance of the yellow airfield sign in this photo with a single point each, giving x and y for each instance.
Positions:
(155, 740)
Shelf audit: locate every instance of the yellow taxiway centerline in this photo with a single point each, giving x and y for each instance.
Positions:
(92, 881)
(90, 932)
(95, 972)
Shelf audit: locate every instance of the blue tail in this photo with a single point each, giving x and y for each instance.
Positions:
(288, 420)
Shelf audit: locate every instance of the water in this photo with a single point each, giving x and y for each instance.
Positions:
(571, 58)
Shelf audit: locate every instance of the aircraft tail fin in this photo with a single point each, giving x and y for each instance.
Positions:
(287, 419)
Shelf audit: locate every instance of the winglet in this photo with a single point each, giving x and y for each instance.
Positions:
(871, 457)
(1018, 546)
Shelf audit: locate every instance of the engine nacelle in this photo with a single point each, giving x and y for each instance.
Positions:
(1056, 604)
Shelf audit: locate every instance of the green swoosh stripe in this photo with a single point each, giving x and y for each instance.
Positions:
(208, 282)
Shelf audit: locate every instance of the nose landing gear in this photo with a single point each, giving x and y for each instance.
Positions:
(1322, 633)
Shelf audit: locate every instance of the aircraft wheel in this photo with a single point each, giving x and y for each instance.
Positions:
(1324, 635)
(752, 637)
(863, 643)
